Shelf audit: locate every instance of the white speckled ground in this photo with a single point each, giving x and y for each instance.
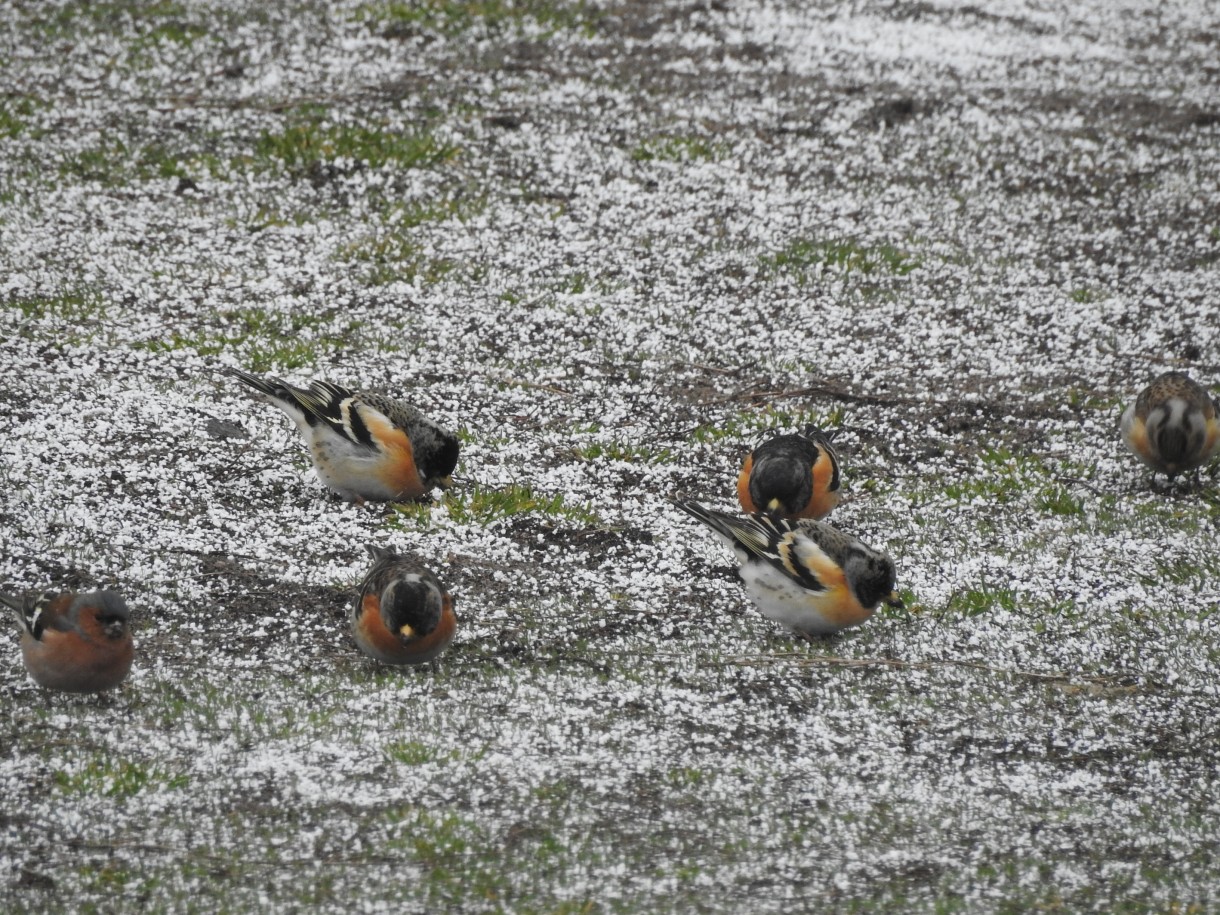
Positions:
(1010, 223)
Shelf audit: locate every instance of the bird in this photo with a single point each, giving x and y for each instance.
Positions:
(364, 446)
(403, 614)
(804, 574)
(1172, 425)
(74, 642)
(792, 476)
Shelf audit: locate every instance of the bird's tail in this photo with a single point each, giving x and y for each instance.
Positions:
(272, 387)
(19, 607)
(717, 521)
(380, 552)
(753, 532)
(816, 433)
(727, 526)
(320, 402)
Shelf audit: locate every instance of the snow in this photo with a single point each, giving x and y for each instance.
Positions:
(615, 721)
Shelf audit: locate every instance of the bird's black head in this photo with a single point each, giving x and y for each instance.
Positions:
(411, 606)
(780, 484)
(446, 458)
(871, 577)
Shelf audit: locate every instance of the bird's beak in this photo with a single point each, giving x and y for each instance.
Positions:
(114, 627)
(407, 631)
(895, 601)
(445, 482)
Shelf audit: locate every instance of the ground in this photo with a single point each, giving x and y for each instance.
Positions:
(611, 244)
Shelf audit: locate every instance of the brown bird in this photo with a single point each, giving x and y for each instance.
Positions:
(403, 614)
(791, 476)
(77, 643)
(364, 446)
(804, 574)
(1172, 425)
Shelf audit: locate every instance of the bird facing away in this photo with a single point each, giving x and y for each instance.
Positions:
(1172, 425)
(77, 643)
(792, 476)
(403, 614)
(804, 574)
(364, 446)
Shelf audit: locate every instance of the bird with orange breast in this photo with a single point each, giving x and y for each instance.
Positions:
(363, 445)
(76, 643)
(804, 574)
(1172, 425)
(791, 476)
(403, 614)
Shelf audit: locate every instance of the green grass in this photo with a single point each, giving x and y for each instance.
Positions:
(580, 282)
(455, 855)
(911, 604)
(314, 139)
(398, 214)
(414, 753)
(1007, 477)
(678, 149)
(984, 599)
(15, 114)
(115, 778)
(270, 215)
(453, 17)
(1090, 399)
(164, 18)
(75, 307)
(687, 777)
(804, 257)
(394, 257)
(628, 452)
(215, 707)
(979, 600)
(174, 31)
(267, 339)
(1055, 499)
(1181, 570)
(114, 162)
(1083, 295)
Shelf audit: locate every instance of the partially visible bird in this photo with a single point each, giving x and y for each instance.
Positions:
(804, 574)
(403, 614)
(74, 642)
(1172, 425)
(792, 476)
(364, 446)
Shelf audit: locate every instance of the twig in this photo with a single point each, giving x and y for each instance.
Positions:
(715, 370)
(740, 394)
(1079, 482)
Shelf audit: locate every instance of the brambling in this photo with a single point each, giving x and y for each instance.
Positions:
(77, 643)
(364, 446)
(1172, 425)
(403, 614)
(804, 574)
(792, 476)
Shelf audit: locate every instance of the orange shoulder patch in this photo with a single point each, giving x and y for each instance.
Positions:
(743, 486)
(398, 472)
